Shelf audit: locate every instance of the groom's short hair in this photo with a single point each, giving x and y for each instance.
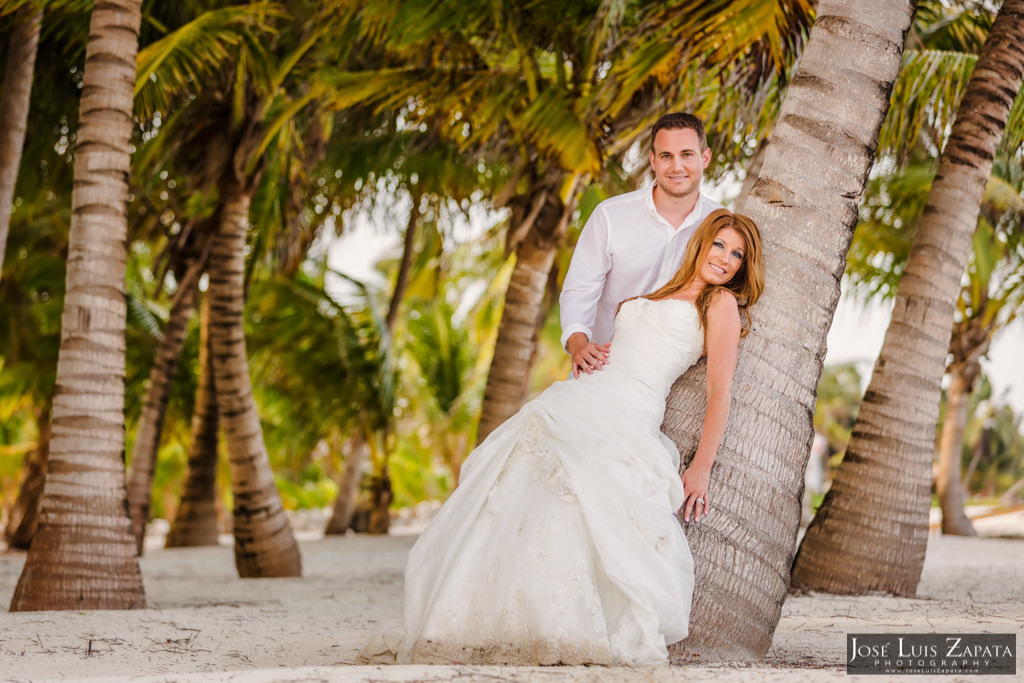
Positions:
(680, 120)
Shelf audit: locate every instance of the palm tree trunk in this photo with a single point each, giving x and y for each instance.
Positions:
(17, 89)
(154, 408)
(195, 522)
(264, 543)
(23, 519)
(408, 252)
(380, 502)
(951, 444)
(805, 202)
(83, 554)
(543, 218)
(348, 490)
(871, 531)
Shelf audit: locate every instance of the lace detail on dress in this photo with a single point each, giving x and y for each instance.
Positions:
(547, 466)
(522, 653)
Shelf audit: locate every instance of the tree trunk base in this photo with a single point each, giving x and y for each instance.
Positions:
(957, 525)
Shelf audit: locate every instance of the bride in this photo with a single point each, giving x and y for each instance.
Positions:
(561, 543)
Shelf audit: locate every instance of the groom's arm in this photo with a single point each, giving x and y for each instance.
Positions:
(581, 292)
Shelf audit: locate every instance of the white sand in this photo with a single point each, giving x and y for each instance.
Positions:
(205, 624)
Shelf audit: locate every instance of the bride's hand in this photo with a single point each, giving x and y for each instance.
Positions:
(695, 486)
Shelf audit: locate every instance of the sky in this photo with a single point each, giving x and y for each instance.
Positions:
(856, 334)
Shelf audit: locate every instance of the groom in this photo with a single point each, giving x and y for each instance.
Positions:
(632, 244)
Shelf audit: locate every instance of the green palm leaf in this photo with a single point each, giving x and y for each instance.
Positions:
(551, 124)
(924, 100)
(195, 55)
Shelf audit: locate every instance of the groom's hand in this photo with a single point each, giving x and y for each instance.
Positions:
(586, 355)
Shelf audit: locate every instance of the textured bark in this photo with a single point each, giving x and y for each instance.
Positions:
(405, 265)
(805, 202)
(871, 531)
(195, 521)
(970, 343)
(264, 543)
(83, 554)
(23, 519)
(154, 409)
(541, 218)
(951, 444)
(379, 515)
(348, 490)
(17, 89)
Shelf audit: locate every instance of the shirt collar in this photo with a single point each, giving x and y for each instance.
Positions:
(653, 210)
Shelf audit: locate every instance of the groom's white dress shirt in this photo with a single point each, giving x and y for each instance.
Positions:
(625, 249)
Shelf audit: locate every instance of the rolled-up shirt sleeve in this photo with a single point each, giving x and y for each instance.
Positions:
(585, 279)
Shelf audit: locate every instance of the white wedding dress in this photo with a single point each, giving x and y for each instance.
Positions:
(560, 544)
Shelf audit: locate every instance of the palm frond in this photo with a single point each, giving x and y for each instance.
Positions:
(143, 319)
(195, 55)
(756, 38)
(550, 123)
(924, 100)
(940, 26)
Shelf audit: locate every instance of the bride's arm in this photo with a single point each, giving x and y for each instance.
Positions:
(723, 338)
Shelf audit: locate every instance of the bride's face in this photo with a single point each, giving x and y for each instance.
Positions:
(724, 258)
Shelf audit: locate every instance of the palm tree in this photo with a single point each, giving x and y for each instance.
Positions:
(147, 439)
(554, 101)
(445, 358)
(88, 561)
(242, 150)
(195, 521)
(989, 296)
(805, 201)
(347, 353)
(17, 87)
(871, 531)
(264, 543)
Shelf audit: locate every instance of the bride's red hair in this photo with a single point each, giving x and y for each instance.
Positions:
(746, 285)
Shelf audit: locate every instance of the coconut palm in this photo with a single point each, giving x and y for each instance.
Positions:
(33, 273)
(554, 100)
(147, 438)
(889, 455)
(88, 561)
(17, 87)
(345, 350)
(195, 520)
(989, 296)
(805, 201)
(243, 151)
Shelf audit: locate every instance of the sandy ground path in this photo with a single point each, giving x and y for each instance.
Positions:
(203, 624)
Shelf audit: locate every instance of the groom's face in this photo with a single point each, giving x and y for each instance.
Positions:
(678, 161)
